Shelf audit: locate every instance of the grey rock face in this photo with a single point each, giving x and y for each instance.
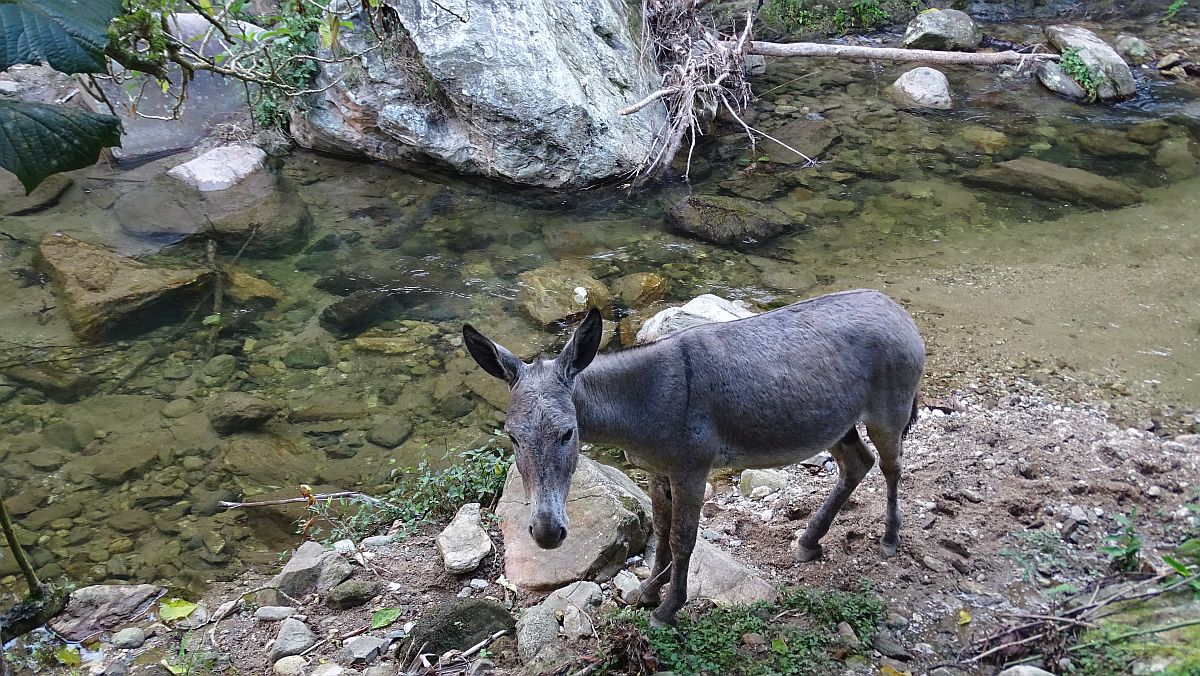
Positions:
(523, 92)
(91, 610)
(943, 29)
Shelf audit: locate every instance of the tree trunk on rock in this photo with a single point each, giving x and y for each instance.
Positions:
(812, 49)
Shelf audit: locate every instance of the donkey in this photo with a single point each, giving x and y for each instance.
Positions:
(764, 391)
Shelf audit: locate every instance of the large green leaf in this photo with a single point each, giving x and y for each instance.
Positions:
(37, 139)
(70, 35)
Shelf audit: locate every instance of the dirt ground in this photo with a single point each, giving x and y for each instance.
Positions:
(990, 475)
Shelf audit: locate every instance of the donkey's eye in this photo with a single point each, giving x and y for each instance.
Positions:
(566, 436)
(513, 440)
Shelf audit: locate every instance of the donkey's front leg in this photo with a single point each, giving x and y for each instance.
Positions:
(660, 502)
(687, 495)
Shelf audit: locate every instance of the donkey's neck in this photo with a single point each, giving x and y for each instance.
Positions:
(611, 396)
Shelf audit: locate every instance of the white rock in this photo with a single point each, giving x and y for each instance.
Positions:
(220, 168)
(575, 624)
(719, 577)
(703, 309)
(627, 585)
(293, 665)
(464, 543)
(754, 479)
(922, 87)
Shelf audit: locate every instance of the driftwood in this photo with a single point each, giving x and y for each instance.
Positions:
(812, 49)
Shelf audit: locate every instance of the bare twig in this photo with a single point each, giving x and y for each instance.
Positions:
(287, 501)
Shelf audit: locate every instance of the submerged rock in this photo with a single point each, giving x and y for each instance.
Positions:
(1056, 80)
(727, 220)
(811, 135)
(524, 92)
(640, 289)
(560, 292)
(1053, 181)
(1112, 77)
(922, 87)
(103, 293)
(944, 30)
(609, 517)
(59, 385)
(236, 411)
(464, 542)
(1134, 50)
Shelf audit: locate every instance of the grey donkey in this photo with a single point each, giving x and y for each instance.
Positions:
(764, 391)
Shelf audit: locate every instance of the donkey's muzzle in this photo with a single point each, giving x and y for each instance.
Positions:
(548, 535)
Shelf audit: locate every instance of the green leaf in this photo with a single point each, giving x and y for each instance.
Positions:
(37, 139)
(70, 35)
(211, 320)
(175, 609)
(66, 655)
(384, 617)
(779, 646)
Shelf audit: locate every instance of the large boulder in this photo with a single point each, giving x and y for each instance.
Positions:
(702, 309)
(609, 517)
(220, 168)
(310, 568)
(922, 87)
(99, 608)
(527, 92)
(1054, 181)
(943, 29)
(560, 292)
(716, 576)
(103, 293)
(727, 220)
(1110, 74)
(458, 625)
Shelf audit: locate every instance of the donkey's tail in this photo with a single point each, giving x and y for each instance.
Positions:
(912, 417)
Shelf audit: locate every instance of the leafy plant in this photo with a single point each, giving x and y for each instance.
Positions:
(795, 634)
(421, 494)
(1036, 548)
(1173, 9)
(189, 660)
(1124, 549)
(800, 16)
(36, 139)
(1075, 68)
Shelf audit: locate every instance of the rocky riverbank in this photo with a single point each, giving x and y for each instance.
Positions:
(1006, 504)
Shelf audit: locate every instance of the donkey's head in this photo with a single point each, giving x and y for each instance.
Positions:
(541, 420)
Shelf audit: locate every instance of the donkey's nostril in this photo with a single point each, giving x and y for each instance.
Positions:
(530, 530)
(562, 533)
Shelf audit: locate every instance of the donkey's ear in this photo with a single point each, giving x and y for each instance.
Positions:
(494, 359)
(583, 346)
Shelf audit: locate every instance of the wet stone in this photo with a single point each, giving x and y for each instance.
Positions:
(178, 408)
(131, 521)
(352, 593)
(311, 356)
(219, 370)
(127, 639)
(236, 411)
(390, 432)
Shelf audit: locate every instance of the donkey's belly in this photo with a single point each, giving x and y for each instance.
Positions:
(758, 458)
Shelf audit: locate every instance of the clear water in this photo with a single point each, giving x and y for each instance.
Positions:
(1107, 302)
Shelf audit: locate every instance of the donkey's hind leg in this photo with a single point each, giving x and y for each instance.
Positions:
(853, 461)
(888, 441)
(660, 501)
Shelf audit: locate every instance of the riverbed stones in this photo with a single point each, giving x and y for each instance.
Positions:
(640, 289)
(220, 168)
(771, 479)
(943, 30)
(560, 292)
(1053, 181)
(243, 287)
(1056, 80)
(1110, 144)
(237, 411)
(726, 220)
(71, 437)
(119, 460)
(292, 665)
(464, 543)
(103, 293)
(609, 517)
(703, 309)
(306, 356)
(98, 608)
(58, 384)
(1178, 158)
(540, 625)
(389, 431)
(922, 87)
(267, 460)
(294, 637)
(1112, 77)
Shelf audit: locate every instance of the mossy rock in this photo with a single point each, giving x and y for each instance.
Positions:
(458, 625)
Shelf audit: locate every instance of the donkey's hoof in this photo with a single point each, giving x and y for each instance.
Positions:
(661, 619)
(889, 549)
(806, 554)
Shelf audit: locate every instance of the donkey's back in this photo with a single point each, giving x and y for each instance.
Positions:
(796, 379)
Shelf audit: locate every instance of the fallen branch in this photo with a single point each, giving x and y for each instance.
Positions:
(287, 501)
(817, 50)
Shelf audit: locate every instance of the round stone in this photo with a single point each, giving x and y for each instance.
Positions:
(291, 666)
(128, 639)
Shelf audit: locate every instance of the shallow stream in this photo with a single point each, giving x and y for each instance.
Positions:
(1101, 304)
